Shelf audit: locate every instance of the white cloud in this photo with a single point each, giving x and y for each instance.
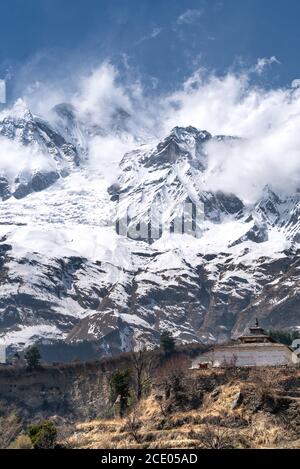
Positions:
(155, 32)
(189, 16)
(246, 167)
(118, 114)
(266, 120)
(17, 160)
(42, 97)
(100, 96)
(296, 83)
(262, 63)
(122, 112)
(152, 35)
(105, 153)
(229, 105)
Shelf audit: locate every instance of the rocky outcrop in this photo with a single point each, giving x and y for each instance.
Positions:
(38, 182)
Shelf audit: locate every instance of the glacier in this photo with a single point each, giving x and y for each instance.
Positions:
(69, 281)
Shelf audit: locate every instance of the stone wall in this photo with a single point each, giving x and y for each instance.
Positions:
(248, 355)
(74, 391)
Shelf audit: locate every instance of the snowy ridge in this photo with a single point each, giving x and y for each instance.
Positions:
(67, 276)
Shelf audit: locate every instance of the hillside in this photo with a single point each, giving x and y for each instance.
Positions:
(178, 407)
(73, 280)
(265, 416)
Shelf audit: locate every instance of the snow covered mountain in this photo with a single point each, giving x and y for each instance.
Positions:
(71, 280)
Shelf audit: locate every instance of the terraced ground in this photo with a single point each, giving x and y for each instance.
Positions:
(251, 409)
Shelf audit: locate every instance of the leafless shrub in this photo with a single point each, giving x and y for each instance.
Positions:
(230, 363)
(21, 442)
(172, 377)
(179, 392)
(10, 428)
(161, 402)
(214, 438)
(64, 432)
(264, 382)
(267, 391)
(133, 425)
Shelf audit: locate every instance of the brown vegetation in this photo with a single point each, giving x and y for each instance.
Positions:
(264, 415)
(167, 404)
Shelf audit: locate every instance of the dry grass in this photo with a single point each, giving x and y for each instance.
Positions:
(21, 442)
(10, 428)
(265, 431)
(213, 425)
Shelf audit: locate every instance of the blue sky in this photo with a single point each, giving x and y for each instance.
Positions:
(163, 41)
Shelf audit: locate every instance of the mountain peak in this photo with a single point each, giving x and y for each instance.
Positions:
(181, 143)
(85, 283)
(269, 194)
(18, 111)
(181, 133)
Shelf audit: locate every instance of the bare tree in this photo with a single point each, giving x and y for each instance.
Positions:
(133, 425)
(143, 363)
(172, 376)
(215, 438)
(265, 382)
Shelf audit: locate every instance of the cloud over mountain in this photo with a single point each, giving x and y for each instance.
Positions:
(265, 120)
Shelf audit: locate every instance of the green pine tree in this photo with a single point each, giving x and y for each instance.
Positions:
(167, 343)
(43, 435)
(120, 386)
(32, 357)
